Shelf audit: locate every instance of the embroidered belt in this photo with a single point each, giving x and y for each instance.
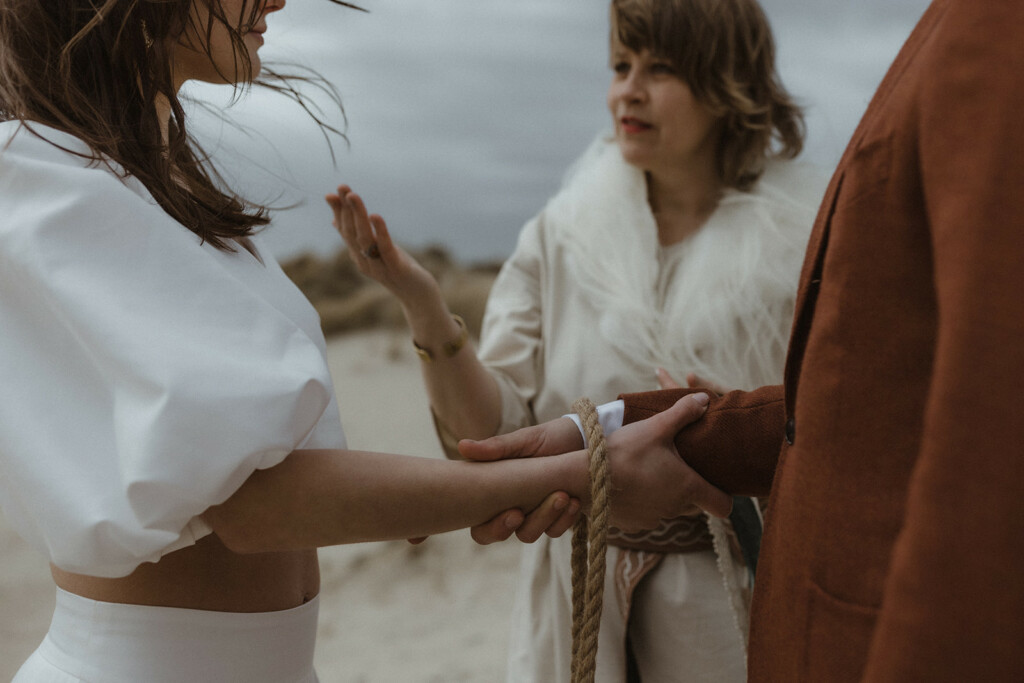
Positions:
(688, 534)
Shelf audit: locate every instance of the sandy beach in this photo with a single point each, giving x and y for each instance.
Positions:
(389, 611)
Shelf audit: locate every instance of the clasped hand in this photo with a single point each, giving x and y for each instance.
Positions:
(650, 480)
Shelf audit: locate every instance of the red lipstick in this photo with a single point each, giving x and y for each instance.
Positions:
(631, 124)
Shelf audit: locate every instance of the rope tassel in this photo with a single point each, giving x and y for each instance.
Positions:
(589, 544)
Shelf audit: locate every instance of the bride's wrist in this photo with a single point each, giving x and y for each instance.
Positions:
(573, 475)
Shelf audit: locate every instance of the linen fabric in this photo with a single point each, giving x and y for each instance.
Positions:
(584, 308)
(892, 549)
(145, 375)
(104, 642)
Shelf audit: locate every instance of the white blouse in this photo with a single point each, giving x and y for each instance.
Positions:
(144, 375)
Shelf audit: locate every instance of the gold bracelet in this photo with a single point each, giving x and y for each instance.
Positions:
(450, 348)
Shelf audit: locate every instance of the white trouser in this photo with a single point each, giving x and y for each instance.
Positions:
(104, 642)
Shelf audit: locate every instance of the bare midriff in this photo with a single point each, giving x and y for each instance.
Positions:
(208, 576)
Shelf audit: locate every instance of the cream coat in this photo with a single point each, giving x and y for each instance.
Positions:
(590, 304)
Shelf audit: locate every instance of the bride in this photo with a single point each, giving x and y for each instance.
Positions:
(169, 434)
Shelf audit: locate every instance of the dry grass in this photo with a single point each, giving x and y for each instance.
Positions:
(348, 301)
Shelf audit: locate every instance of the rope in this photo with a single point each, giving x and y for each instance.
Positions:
(588, 563)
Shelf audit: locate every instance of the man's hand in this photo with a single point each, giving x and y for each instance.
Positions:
(650, 481)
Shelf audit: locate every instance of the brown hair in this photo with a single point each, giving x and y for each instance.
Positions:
(94, 69)
(724, 51)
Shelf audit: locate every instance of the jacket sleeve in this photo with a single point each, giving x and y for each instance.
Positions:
(953, 599)
(735, 446)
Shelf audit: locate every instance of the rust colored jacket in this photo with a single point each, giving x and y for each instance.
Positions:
(894, 547)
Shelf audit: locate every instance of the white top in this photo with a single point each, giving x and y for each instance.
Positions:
(145, 375)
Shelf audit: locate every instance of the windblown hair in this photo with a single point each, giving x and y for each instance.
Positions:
(95, 68)
(724, 51)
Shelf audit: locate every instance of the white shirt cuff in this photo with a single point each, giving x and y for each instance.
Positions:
(610, 415)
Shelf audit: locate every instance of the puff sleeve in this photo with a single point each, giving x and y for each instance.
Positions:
(145, 375)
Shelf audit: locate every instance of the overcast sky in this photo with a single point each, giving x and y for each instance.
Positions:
(464, 114)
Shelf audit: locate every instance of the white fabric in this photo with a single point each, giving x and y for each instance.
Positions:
(145, 375)
(104, 642)
(590, 304)
(700, 632)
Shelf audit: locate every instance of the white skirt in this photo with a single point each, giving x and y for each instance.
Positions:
(104, 642)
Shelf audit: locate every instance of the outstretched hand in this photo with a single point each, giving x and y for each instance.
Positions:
(374, 254)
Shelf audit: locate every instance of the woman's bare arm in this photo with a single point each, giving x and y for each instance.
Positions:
(462, 393)
(329, 497)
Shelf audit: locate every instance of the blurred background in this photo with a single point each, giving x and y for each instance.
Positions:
(463, 115)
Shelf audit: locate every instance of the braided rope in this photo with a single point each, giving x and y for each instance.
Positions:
(588, 563)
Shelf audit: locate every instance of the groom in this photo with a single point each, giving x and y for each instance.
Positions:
(894, 452)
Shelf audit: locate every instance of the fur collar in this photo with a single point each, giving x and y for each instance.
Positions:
(725, 312)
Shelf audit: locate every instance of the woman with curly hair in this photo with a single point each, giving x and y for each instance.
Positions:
(672, 249)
